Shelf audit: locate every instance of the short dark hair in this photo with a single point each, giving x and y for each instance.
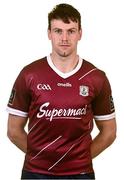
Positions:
(65, 12)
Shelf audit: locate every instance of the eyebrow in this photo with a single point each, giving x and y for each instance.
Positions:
(66, 29)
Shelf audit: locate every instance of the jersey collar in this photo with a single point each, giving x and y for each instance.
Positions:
(61, 74)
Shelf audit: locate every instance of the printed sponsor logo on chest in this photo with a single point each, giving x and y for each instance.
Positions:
(84, 90)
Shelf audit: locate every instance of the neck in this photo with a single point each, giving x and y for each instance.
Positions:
(65, 64)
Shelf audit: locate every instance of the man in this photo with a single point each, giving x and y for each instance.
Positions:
(59, 96)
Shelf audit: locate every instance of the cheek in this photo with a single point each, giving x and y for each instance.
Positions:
(54, 42)
(75, 40)
(54, 38)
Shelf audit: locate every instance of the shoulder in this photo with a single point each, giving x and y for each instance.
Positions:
(94, 76)
(33, 70)
(92, 71)
(37, 64)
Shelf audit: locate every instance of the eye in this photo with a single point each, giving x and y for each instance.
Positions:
(58, 31)
(71, 31)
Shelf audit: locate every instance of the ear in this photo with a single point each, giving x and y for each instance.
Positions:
(80, 34)
(49, 34)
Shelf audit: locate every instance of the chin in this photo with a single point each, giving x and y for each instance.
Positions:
(64, 54)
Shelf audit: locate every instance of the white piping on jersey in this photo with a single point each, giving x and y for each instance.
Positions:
(33, 126)
(77, 141)
(62, 157)
(46, 147)
(105, 117)
(16, 112)
(87, 73)
(61, 74)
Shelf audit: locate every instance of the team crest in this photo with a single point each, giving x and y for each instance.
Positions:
(84, 90)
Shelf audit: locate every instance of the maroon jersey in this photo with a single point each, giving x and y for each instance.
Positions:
(61, 108)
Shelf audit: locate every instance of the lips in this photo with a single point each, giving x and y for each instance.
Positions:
(64, 45)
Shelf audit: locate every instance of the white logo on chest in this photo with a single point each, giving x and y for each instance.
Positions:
(64, 84)
(44, 87)
(54, 113)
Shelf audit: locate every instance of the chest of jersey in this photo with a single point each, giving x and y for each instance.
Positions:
(60, 106)
(55, 97)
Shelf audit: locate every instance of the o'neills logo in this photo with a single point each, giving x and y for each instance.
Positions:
(64, 84)
(60, 113)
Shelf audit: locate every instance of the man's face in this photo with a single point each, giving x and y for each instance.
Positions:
(64, 37)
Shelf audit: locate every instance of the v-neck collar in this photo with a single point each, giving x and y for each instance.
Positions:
(61, 74)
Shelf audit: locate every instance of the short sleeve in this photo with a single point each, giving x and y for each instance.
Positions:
(103, 105)
(19, 100)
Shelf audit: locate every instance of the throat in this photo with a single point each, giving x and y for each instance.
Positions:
(65, 65)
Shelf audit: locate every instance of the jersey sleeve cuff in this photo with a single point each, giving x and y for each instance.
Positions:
(16, 112)
(105, 117)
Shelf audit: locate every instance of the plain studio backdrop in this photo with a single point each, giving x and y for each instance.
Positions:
(23, 39)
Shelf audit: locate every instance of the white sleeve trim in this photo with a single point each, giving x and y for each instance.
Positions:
(105, 117)
(16, 112)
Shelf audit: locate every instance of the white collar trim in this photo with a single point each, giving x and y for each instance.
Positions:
(61, 74)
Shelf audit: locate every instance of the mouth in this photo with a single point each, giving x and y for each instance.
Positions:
(64, 45)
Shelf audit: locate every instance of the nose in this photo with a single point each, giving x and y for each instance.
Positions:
(64, 36)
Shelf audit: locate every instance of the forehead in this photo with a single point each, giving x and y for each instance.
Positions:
(55, 23)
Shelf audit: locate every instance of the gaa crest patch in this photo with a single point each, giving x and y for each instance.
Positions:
(12, 96)
(84, 90)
